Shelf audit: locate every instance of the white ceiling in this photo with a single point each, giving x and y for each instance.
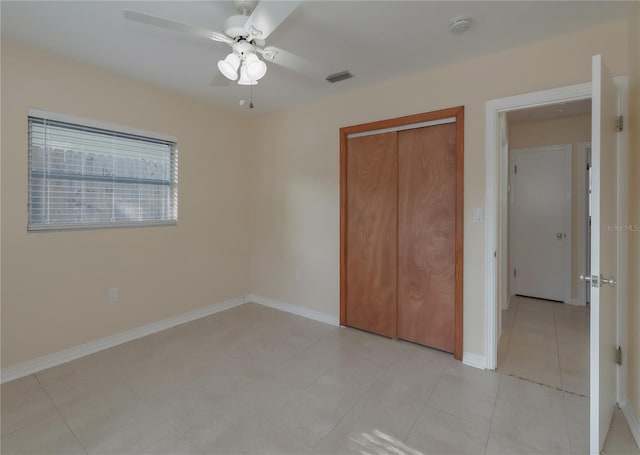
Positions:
(375, 40)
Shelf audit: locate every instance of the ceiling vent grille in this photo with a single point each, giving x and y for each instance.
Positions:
(341, 76)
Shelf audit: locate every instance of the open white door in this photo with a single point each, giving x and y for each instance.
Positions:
(603, 253)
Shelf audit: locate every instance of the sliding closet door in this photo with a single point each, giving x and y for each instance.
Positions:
(371, 252)
(427, 236)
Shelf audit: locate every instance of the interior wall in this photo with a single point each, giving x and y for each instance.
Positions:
(54, 292)
(295, 180)
(566, 130)
(54, 284)
(633, 310)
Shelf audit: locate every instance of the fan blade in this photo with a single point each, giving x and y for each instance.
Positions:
(293, 62)
(219, 80)
(267, 16)
(150, 19)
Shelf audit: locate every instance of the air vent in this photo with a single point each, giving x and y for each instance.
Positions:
(341, 76)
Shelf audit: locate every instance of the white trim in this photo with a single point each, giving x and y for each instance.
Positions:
(503, 261)
(492, 152)
(633, 422)
(493, 192)
(597, 431)
(474, 360)
(295, 309)
(623, 239)
(32, 112)
(67, 355)
(412, 126)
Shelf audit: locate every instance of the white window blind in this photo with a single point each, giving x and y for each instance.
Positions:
(81, 176)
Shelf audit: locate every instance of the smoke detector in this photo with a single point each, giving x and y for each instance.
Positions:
(460, 24)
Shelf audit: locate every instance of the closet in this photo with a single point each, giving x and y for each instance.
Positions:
(401, 187)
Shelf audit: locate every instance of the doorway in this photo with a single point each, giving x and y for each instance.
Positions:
(545, 325)
(609, 155)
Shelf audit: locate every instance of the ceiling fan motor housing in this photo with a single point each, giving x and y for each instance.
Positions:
(243, 48)
(234, 26)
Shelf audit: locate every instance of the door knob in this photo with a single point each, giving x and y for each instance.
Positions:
(610, 281)
(585, 278)
(560, 235)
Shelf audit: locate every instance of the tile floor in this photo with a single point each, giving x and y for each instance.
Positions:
(256, 380)
(546, 342)
(620, 440)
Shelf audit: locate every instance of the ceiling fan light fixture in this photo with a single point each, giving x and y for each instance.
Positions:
(244, 77)
(229, 66)
(256, 68)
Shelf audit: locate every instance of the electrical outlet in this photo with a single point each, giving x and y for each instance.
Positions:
(113, 295)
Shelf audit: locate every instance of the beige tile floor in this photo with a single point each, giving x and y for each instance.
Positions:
(546, 342)
(620, 440)
(256, 380)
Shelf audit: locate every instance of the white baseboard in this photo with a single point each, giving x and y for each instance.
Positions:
(41, 363)
(67, 355)
(632, 421)
(295, 309)
(474, 360)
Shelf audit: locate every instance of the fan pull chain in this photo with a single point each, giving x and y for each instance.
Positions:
(251, 98)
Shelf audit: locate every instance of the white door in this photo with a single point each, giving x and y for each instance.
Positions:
(541, 185)
(604, 162)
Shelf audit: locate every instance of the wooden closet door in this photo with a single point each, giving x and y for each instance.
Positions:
(426, 236)
(371, 255)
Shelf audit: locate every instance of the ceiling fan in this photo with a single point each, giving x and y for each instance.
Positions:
(245, 32)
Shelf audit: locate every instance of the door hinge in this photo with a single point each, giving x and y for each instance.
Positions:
(619, 355)
(515, 273)
(619, 123)
(515, 169)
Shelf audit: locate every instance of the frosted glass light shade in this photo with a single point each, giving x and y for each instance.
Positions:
(229, 66)
(256, 68)
(244, 77)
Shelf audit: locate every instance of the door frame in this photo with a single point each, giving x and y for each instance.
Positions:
(408, 122)
(566, 149)
(584, 238)
(496, 212)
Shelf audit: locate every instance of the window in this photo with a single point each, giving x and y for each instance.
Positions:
(84, 175)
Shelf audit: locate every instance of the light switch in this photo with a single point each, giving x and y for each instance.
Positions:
(477, 215)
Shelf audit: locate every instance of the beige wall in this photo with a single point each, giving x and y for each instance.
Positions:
(295, 203)
(54, 284)
(567, 130)
(290, 182)
(633, 316)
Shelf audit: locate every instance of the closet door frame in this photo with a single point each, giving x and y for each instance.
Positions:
(458, 113)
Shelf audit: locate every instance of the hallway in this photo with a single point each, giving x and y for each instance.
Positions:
(546, 342)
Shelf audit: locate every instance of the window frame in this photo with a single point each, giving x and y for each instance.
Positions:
(117, 129)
